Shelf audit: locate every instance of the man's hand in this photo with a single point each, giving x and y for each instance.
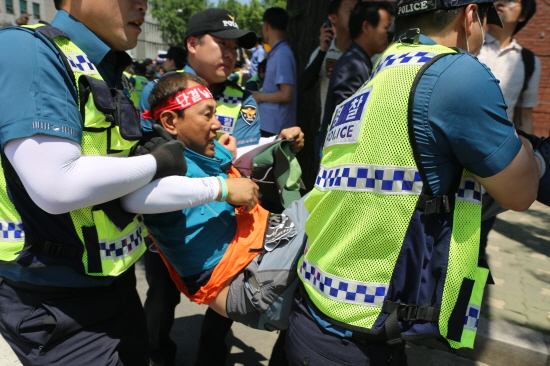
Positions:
(152, 141)
(257, 95)
(168, 153)
(326, 36)
(229, 142)
(242, 192)
(296, 134)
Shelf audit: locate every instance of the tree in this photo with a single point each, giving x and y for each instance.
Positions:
(172, 16)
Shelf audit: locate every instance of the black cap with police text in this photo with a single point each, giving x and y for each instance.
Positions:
(412, 7)
(174, 53)
(219, 23)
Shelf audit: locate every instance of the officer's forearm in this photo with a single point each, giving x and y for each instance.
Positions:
(59, 179)
(171, 194)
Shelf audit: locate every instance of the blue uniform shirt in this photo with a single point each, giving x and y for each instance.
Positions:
(466, 124)
(281, 69)
(38, 97)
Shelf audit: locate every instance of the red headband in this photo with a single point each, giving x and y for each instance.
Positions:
(181, 100)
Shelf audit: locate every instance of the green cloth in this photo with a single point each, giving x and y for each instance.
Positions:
(277, 172)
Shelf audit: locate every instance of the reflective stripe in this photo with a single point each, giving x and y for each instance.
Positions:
(121, 247)
(402, 59)
(469, 191)
(342, 289)
(81, 63)
(471, 319)
(391, 180)
(229, 99)
(11, 230)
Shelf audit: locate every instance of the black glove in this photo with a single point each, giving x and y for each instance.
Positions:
(543, 149)
(541, 146)
(151, 141)
(168, 153)
(534, 140)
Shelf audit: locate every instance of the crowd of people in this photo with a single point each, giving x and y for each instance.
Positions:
(190, 163)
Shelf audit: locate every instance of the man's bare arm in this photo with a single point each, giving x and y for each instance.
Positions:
(515, 187)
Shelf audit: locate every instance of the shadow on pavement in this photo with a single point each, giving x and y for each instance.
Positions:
(248, 355)
(185, 333)
(523, 233)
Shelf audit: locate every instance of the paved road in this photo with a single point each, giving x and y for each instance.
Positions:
(518, 254)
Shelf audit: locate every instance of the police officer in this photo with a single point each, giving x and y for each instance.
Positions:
(175, 60)
(393, 232)
(139, 81)
(69, 286)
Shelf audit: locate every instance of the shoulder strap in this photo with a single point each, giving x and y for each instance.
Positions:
(428, 203)
(528, 58)
(50, 33)
(234, 85)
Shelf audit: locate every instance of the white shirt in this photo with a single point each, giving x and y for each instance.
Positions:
(507, 66)
(334, 53)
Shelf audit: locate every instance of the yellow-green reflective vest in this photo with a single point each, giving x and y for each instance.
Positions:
(135, 94)
(106, 250)
(365, 229)
(228, 108)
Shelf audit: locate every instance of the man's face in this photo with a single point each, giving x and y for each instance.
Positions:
(378, 36)
(341, 19)
(23, 20)
(169, 64)
(115, 22)
(509, 12)
(212, 58)
(197, 129)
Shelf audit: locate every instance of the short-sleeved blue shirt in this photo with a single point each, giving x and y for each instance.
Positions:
(37, 94)
(460, 121)
(281, 69)
(39, 97)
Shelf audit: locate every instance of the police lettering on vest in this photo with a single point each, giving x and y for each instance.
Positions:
(347, 119)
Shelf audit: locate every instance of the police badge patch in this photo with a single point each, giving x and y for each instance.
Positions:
(249, 113)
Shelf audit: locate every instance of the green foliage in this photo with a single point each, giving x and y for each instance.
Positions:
(271, 3)
(172, 16)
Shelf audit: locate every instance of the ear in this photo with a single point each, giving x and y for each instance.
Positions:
(168, 120)
(470, 16)
(192, 43)
(333, 18)
(365, 27)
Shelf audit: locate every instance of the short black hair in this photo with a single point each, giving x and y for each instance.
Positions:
(435, 21)
(333, 6)
(169, 85)
(277, 18)
(367, 11)
(57, 4)
(259, 39)
(528, 9)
